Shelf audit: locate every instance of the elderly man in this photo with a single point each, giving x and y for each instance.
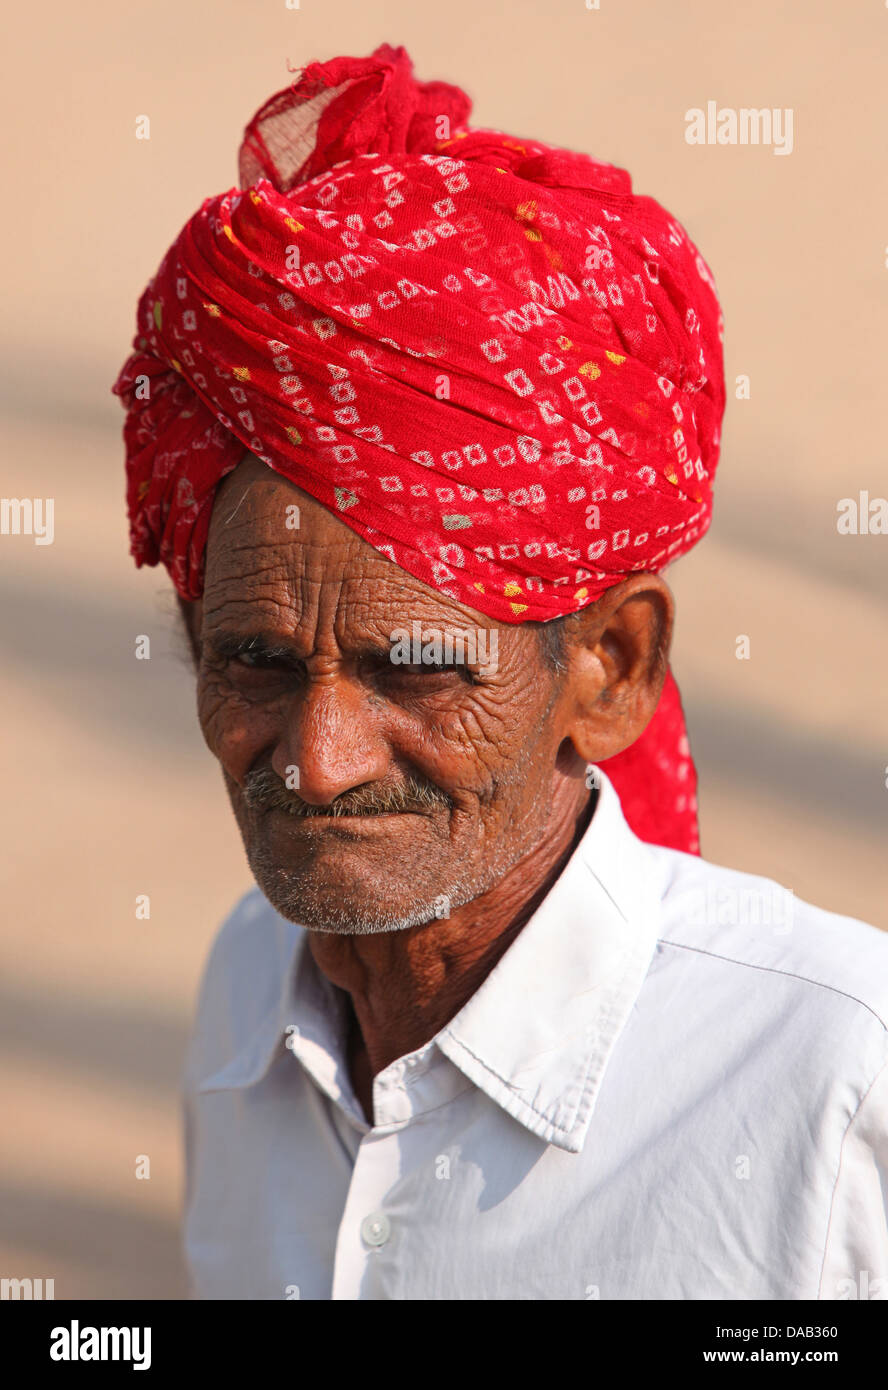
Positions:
(416, 419)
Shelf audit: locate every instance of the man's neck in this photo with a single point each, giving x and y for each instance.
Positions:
(404, 986)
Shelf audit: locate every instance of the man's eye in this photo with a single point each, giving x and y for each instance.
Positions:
(247, 659)
(424, 670)
(254, 659)
(420, 668)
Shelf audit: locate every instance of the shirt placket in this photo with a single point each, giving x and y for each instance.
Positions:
(367, 1227)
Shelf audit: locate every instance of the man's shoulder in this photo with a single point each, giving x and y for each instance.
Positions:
(242, 981)
(756, 924)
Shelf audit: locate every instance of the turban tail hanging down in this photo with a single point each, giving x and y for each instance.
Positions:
(485, 355)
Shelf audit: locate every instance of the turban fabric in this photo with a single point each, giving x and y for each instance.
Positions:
(486, 355)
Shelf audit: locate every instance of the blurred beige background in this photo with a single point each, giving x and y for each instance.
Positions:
(109, 791)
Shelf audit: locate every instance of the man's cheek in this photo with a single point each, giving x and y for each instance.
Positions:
(459, 756)
(234, 731)
(485, 733)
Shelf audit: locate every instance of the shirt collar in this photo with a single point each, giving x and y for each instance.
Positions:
(536, 1036)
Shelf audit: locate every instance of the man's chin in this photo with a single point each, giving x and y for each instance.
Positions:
(342, 905)
(344, 874)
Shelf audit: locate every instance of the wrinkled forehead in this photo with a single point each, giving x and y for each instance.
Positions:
(275, 553)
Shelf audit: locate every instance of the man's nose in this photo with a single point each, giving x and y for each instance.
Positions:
(333, 738)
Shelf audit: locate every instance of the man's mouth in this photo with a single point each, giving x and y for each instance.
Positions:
(350, 820)
(326, 817)
(263, 791)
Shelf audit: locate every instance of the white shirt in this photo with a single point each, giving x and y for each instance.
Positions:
(673, 1085)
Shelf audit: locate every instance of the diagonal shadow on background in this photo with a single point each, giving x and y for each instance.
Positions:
(130, 1255)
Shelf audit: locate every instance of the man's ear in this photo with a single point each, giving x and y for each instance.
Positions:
(618, 657)
(191, 619)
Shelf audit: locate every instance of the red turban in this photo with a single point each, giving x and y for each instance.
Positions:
(487, 356)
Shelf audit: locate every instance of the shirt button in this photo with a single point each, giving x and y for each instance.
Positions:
(376, 1229)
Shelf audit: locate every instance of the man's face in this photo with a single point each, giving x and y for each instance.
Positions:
(418, 787)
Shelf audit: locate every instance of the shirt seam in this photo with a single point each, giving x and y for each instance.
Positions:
(832, 1199)
(775, 970)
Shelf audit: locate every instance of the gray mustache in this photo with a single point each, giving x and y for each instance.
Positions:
(263, 790)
